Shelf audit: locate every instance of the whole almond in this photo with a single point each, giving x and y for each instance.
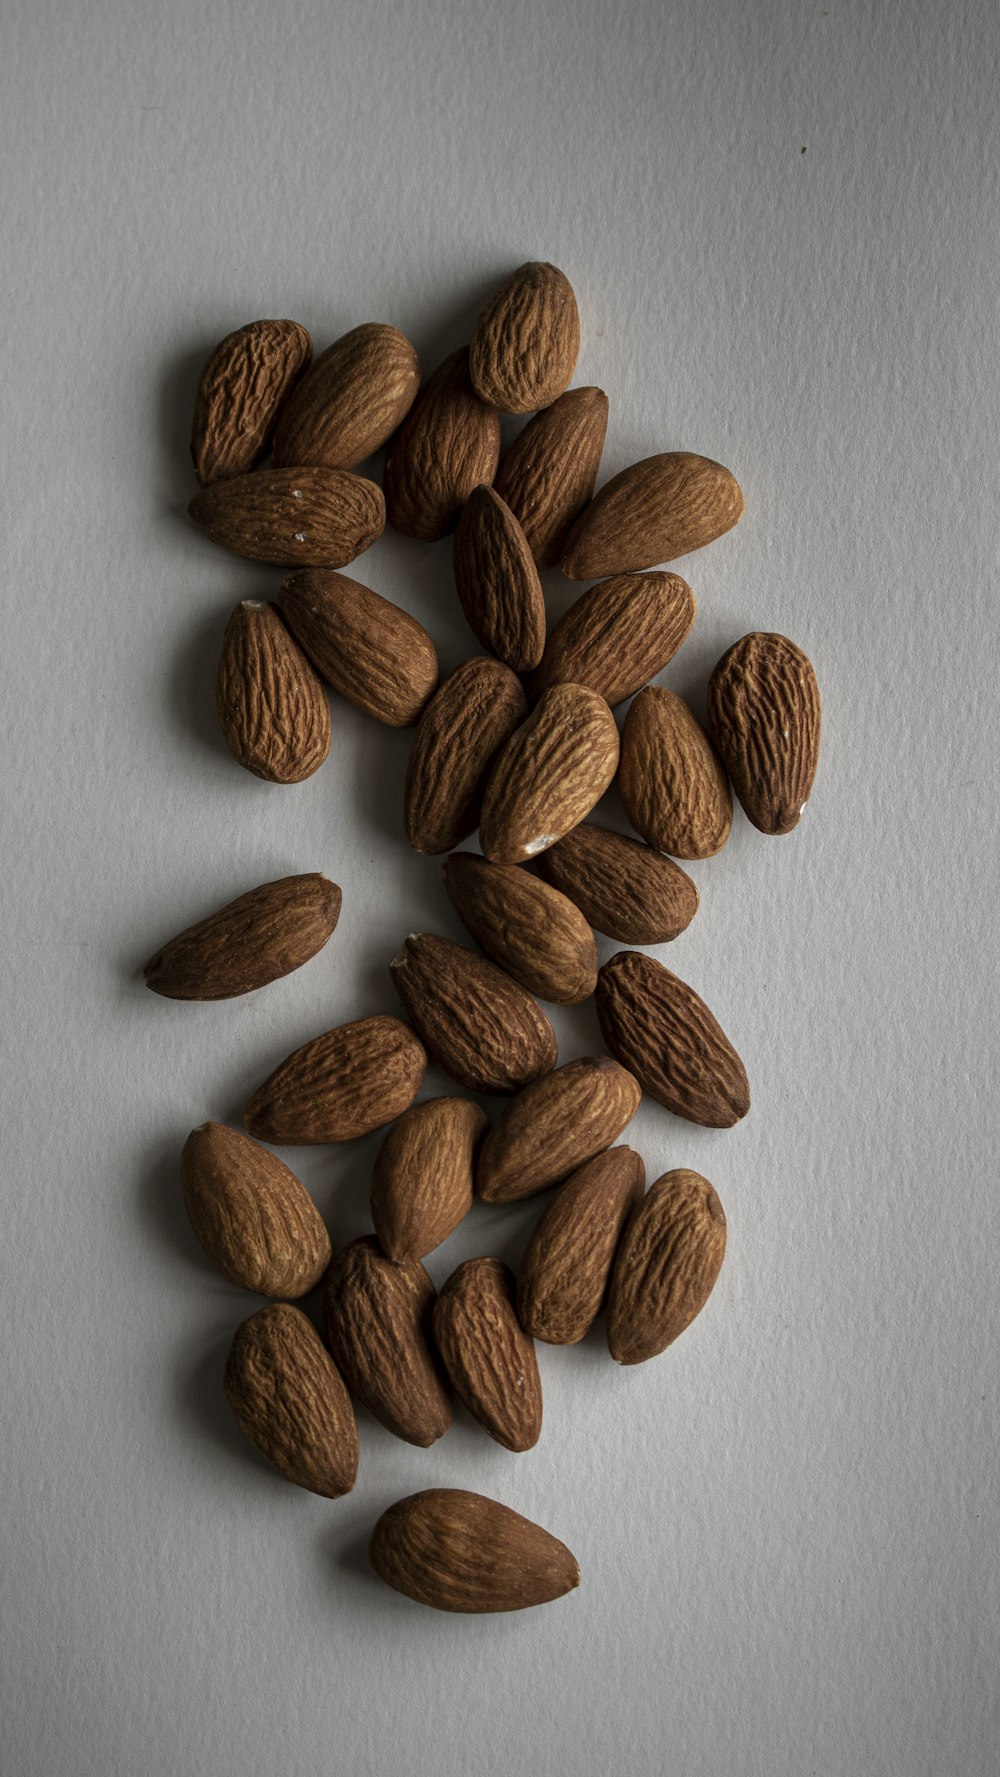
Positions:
(527, 340)
(564, 1273)
(764, 712)
(549, 775)
(652, 512)
(487, 1354)
(622, 887)
(271, 704)
(377, 1314)
(666, 1266)
(497, 581)
(351, 401)
(618, 635)
(256, 1223)
(660, 1029)
(342, 1084)
(477, 1023)
(459, 1551)
(422, 1185)
(670, 780)
(553, 1126)
(288, 1397)
(460, 734)
(548, 474)
(448, 444)
(292, 518)
(258, 938)
(529, 929)
(374, 654)
(246, 380)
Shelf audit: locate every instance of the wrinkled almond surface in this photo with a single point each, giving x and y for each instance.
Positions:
(564, 1272)
(448, 444)
(670, 780)
(488, 1355)
(342, 1084)
(666, 1266)
(459, 1551)
(527, 340)
(351, 401)
(292, 518)
(258, 938)
(255, 1221)
(528, 929)
(652, 512)
(764, 713)
(548, 474)
(549, 775)
(288, 1397)
(270, 703)
(374, 654)
(665, 1034)
(497, 581)
(459, 736)
(422, 1184)
(477, 1023)
(377, 1314)
(553, 1126)
(621, 886)
(618, 635)
(242, 388)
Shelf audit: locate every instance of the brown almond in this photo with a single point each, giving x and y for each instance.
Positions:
(292, 518)
(528, 929)
(288, 1397)
(527, 340)
(549, 775)
(497, 581)
(670, 780)
(553, 1126)
(487, 1354)
(665, 1034)
(564, 1273)
(666, 1266)
(624, 888)
(448, 444)
(459, 1551)
(652, 512)
(241, 391)
(255, 1221)
(422, 1185)
(477, 1023)
(618, 635)
(548, 474)
(374, 654)
(764, 713)
(258, 938)
(377, 1314)
(342, 1084)
(271, 704)
(460, 734)
(351, 401)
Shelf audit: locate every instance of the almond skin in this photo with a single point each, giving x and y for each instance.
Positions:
(255, 1221)
(548, 474)
(288, 1397)
(377, 656)
(652, 512)
(377, 1315)
(660, 1029)
(460, 734)
(671, 781)
(243, 386)
(487, 1354)
(448, 444)
(622, 887)
(271, 705)
(477, 1024)
(527, 340)
(666, 1266)
(459, 1551)
(292, 518)
(342, 1084)
(497, 581)
(422, 1185)
(553, 1126)
(351, 401)
(564, 1274)
(618, 635)
(258, 938)
(551, 772)
(528, 929)
(764, 713)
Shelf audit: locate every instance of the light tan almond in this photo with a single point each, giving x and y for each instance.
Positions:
(549, 775)
(377, 1314)
(666, 1266)
(374, 654)
(527, 928)
(618, 635)
(243, 386)
(253, 940)
(271, 704)
(548, 474)
(564, 1273)
(652, 512)
(764, 713)
(288, 1397)
(351, 401)
(553, 1126)
(342, 1084)
(459, 1551)
(497, 581)
(527, 340)
(670, 780)
(477, 1023)
(622, 887)
(256, 1223)
(448, 444)
(460, 734)
(665, 1034)
(487, 1354)
(422, 1185)
(292, 518)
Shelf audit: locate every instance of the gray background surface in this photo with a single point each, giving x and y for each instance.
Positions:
(781, 223)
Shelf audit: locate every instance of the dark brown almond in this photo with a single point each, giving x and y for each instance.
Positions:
(422, 1185)
(342, 1084)
(621, 886)
(549, 775)
(256, 1223)
(271, 705)
(448, 444)
(476, 1022)
(242, 388)
(618, 635)
(764, 713)
(497, 581)
(527, 340)
(666, 1266)
(351, 401)
(487, 1354)
(288, 1397)
(670, 780)
(548, 474)
(460, 734)
(292, 518)
(527, 928)
(258, 938)
(377, 1314)
(553, 1126)
(374, 654)
(564, 1274)
(459, 1551)
(665, 1034)
(652, 512)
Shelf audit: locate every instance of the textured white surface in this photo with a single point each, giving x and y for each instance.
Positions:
(781, 222)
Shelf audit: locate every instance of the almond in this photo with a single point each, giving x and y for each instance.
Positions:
(549, 775)
(670, 780)
(459, 1551)
(342, 1084)
(374, 654)
(487, 1354)
(652, 512)
(659, 1028)
(497, 581)
(242, 388)
(529, 929)
(763, 710)
(618, 635)
(477, 1024)
(423, 1179)
(256, 1223)
(564, 1273)
(258, 938)
(351, 401)
(378, 1316)
(527, 339)
(448, 444)
(548, 474)
(553, 1126)
(271, 705)
(665, 1267)
(622, 887)
(292, 518)
(460, 734)
(288, 1397)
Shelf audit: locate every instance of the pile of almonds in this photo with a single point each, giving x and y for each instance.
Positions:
(520, 742)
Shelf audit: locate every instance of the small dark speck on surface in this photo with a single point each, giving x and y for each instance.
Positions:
(803, 151)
